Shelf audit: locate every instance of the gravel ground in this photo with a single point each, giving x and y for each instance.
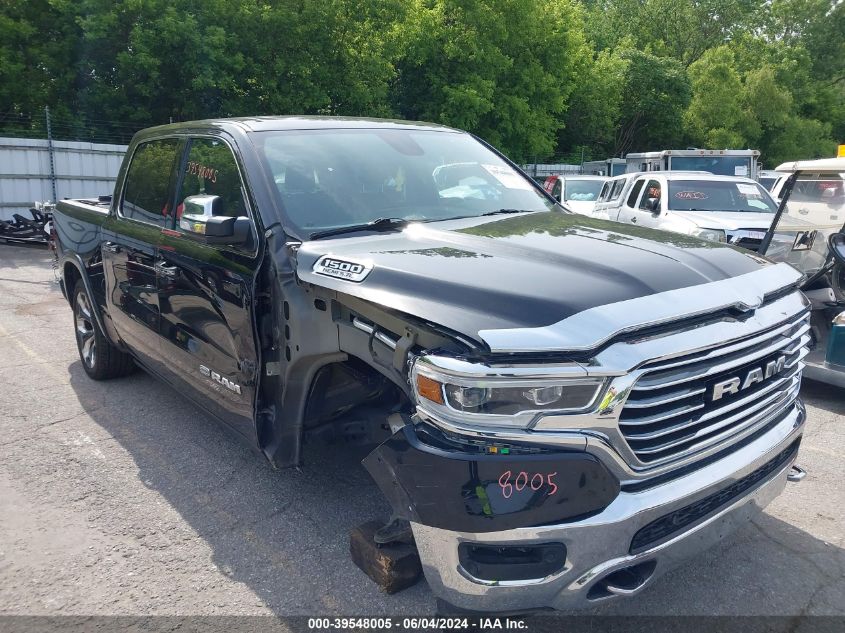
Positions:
(121, 498)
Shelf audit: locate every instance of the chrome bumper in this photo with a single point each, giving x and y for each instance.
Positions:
(599, 545)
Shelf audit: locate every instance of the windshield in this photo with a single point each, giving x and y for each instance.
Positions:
(717, 165)
(582, 190)
(719, 195)
(335, 178)
(814, 209)
(768, 182)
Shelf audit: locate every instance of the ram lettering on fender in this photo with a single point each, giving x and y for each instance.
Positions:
(347, 269)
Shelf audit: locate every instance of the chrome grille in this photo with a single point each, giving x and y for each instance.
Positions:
(670, 411)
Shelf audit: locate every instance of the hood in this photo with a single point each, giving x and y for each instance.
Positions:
(728, 221)
(518, 271)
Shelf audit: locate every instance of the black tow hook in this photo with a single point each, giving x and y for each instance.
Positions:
(796, 473)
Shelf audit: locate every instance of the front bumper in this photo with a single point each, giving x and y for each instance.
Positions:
(599, 563)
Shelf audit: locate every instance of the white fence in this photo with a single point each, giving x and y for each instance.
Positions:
(30, 170)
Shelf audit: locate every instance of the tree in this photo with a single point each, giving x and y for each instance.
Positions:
(715, 117)
(595, 106)
(150, 61)
(655, 94)
(37, 51)
(317, 57)
(682, 29)
(503, 69)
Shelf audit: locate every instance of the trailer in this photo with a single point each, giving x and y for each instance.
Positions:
(722, 162)
(608, 167)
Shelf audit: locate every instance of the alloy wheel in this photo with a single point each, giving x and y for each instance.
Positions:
(85, 330)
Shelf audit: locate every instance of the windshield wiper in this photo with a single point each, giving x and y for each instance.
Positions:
(503, 211)
(379, 224)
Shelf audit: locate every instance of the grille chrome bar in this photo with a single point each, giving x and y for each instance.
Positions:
(654, 382)
(752, 400)
(774, 402)
(670, 413)
(661, 400)
(713, 413)
(796, 320)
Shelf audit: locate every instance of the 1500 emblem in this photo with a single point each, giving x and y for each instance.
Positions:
(347, 269)
(757, 374)
(210, 373)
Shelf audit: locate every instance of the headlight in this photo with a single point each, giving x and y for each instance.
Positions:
(504, 397)
(711, 235)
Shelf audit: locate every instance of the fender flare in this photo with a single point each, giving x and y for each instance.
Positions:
(76, 261)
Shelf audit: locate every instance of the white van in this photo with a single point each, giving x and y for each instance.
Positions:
(718, 208)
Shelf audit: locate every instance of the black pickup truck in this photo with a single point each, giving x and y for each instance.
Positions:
(561, 408)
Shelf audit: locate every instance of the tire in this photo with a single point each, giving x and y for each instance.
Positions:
(100, 359)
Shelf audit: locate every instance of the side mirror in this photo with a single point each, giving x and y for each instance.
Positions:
(837, 247)
(654, 205)
(203, 219)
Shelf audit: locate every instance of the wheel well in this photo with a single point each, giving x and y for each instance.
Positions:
(340, 387)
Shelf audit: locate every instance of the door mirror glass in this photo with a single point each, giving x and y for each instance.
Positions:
(651, 197)
(837, 247)
(204, 218)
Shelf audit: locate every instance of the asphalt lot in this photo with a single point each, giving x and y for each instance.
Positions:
(121, 498)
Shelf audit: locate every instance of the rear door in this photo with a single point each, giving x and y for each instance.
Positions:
(205, 293)
(628, 205)
(130, 246)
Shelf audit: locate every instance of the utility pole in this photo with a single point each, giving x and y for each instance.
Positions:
(50, 152)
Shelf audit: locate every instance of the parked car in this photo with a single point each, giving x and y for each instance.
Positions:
(578, 193)
(819, 193)
(809, 234)
(611, 195)
(562, 408)
(727, 209)
(774, 180)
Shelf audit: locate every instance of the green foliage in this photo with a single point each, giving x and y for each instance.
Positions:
(655, 92)
(536, 78)
(503, 69)
(681, 29)
(596, 103)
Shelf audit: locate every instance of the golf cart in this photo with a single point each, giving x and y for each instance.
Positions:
(808, 233)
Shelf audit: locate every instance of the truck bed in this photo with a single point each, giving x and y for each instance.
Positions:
(78, 224)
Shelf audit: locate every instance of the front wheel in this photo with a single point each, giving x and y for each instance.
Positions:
(100, 359)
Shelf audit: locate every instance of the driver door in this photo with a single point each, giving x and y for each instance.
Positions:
(650, 205)
(206, 292)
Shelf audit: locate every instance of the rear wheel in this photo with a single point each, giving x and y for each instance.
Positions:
(100, 359)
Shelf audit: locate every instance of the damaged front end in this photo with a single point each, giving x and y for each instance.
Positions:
(477, 477)
(536, 481)
(485, 485)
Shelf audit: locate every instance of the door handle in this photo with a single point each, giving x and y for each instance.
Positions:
(171, 272)
(634, 220)
(111, 247)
